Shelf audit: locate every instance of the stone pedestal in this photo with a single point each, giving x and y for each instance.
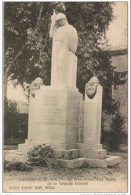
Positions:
(91, 147)
(81, 122)
(54, 118)
(58, 116)
(92, 118)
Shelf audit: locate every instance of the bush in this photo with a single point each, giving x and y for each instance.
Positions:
(112, 126)
(16, 166)
(15, 123)
(123, 148)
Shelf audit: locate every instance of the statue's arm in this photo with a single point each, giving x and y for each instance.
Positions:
(53, 26)
(53, 29)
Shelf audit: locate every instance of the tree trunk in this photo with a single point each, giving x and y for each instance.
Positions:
(5, 85)
(5, 100)
(6, 74)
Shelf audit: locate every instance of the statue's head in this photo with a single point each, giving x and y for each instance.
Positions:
(91, 87)
(61, 19)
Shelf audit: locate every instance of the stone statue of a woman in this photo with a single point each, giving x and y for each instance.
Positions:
(64, 61)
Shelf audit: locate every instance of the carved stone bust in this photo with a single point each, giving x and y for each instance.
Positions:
(91, 87)
(35, 85)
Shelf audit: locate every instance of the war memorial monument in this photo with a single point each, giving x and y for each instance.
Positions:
(59, 115)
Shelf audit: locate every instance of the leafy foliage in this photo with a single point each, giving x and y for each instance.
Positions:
(91, 20)
(12, 106)
(123, 148)
(28, 46)
(112, 126)
(17, 166)
(15, 123)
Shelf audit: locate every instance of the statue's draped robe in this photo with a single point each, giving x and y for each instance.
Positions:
(65, 40)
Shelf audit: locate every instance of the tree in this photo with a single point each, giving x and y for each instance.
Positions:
(28, 46)
(20, 52)
(91, 20)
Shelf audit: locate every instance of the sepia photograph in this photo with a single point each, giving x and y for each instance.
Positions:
(65, 97)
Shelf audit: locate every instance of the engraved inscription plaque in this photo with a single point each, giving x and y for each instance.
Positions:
(51, 109)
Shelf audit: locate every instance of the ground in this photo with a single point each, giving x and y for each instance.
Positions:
(119, 172)
(40, 173)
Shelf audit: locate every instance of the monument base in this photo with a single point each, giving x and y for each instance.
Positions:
(56, 117)
(57, 153)
(84, 157)
(66, 159)
(109, 161)
(75, 158)
(91, 150)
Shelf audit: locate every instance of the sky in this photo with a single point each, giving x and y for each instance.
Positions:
(116, 34)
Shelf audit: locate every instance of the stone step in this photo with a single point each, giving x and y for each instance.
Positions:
(65, 154)
(75, 163)
(95, 163)
(89, 146)
(110, 161)
(79, 162)
(113, 160)
(9, 151)
(14, 156)
(103, 163)
(93, 154)
(24, 148)
(19, 152)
